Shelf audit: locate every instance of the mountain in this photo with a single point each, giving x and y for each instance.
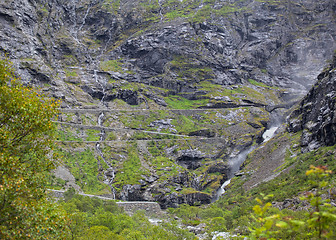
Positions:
(157, 96)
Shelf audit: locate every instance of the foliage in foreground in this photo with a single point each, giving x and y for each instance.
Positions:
(246, 214)
(26, 134)
(92, 218)
(317, 223)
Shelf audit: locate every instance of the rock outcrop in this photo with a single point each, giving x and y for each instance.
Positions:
(282, 44)
(315, 116)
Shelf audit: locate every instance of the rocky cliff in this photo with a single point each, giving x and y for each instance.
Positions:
(315, 116)
(157, 95)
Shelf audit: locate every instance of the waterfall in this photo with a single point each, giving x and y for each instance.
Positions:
(85, 16)
(234, 166)
(235, 162)
(269, 133)
(109, 174)
(102, 100)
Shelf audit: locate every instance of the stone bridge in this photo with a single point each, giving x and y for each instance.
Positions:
(150, 208)
(284, 105)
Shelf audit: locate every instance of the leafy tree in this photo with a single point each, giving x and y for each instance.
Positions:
(323, 213)
(318, 223)
(101, 233)
(93, 218)
(26, 156)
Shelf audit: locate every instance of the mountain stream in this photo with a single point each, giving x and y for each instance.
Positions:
(109, 174)
(235, 162)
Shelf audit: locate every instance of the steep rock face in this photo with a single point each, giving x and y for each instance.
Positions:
(316, 114)
(153, 80)
(279, 43)
(265, 42)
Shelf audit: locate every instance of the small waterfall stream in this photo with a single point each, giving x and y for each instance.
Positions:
(78, 25)
(235, 162)
(109, 174)
(85, 16)
(160, 11)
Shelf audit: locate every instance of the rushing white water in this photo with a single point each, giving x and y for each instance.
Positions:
(269, 133)
(234, 166)
(235, 162)
(221, 190)
(101, 85)
(155, 221)
(161, 15)
(84, 19)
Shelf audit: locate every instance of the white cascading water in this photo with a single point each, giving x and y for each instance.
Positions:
(109, 174)
(234, 166)
(235, 162)
(85, 16)
(269, 133)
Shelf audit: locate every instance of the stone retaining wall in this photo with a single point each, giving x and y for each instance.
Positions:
(150, 208)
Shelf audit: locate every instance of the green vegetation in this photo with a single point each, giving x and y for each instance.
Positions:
(133, 162)
(188, 9)
(162, 162)
(111, 5)
(111, 65)
(315, 224)
(260, 84)
(178, 102)
(236, 93)
(26, 135)
(70, 60)
(85, 166)
(26, 143)
(110, 136)
(92, 218)
(185, 125)
(131, 170)
(179, 13)
(92, 135)
(69, 73)
(190, 69)
(245, 213)
(66, 134)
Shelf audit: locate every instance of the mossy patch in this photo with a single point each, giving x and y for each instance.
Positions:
(111, 66)
(178, 102)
